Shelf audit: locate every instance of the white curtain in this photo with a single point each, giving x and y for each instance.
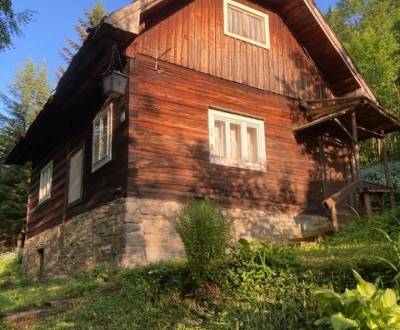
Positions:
(236, 142)
(252, 144)
(220, 141)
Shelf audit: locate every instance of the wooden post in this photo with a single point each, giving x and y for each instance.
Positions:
(355, 148)
(388, 177)
(323, 167)
(367, 203)
(334, 218)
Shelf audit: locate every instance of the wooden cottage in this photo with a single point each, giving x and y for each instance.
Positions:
(254, 104)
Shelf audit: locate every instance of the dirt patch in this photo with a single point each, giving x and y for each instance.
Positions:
(33, 315)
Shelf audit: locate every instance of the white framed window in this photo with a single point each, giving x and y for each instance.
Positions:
(102, 138)
(236, 140)
(46, 178)
(245, 23)
(75, 177)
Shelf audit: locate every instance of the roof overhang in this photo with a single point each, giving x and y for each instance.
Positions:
(306, 23)
(333, 117)
(121, 27)
(80, 81)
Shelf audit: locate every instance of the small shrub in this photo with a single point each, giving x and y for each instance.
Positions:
(205, 234)
(365, 307)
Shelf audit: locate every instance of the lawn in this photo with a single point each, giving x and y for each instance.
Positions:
(264, 288)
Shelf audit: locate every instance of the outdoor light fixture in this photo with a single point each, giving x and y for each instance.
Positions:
(114, 84)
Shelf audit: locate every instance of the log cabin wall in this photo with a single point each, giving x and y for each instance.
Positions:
(194, 35)
(105, 184)
(169, 148)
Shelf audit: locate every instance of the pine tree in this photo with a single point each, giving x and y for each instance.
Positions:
(26, 97)
(10, 23)
(92, 18)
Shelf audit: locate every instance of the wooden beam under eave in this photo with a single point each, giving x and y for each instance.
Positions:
(127, 18)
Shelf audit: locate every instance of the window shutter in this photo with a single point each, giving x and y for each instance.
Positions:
(75, 177)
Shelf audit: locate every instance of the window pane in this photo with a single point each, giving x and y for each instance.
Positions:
(75, 177)
(45, 182)
(236, 141)
(236, 21)
(220, 140)
(256, 28)
(252, 144)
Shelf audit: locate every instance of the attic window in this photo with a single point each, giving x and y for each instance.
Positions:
(236, 141)
(245, 23)
(102, 138)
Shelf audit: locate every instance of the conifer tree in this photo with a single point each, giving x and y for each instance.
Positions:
(10, 22)
(26, 96)
(92, 18)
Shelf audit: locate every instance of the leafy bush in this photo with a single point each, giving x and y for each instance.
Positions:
(366, 307)
(205, 234)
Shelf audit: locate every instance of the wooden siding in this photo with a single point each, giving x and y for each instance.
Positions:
(194, 35)
(169, 148)
(105, 184)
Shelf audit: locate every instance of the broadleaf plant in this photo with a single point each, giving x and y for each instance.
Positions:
(366, 307)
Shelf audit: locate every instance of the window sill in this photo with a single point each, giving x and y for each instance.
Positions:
(43, 201)
(259, 167)
(74, 203)
(265, 45)
(100, 163)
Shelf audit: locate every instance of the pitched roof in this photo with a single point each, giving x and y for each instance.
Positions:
(120, 28)
(306, 23)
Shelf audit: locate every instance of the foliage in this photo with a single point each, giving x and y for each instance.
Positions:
(258, 260)
(391, 276)
(92, 18)
(26, 97)
(10, 23)
(205, 234)
(366, 307)
(369, 30)
(262, 286)
(375, 173)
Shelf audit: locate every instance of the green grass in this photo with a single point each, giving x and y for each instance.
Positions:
(159, 296)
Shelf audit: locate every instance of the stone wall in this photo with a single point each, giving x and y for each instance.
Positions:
(132, 231)
(155, 239)
(82, 243)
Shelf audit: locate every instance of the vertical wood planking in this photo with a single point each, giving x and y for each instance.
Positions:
(200, 44)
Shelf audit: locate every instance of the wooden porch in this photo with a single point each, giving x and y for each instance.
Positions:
(349, 121)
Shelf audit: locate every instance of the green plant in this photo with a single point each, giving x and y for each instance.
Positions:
(258, 260)
(366, 307)
(205, 234)
(391, 275)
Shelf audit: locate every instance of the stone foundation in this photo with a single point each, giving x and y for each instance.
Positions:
(129, 232)
(82, 243)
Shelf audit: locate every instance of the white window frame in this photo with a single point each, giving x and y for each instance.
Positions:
(45, 186)
(77, 200)
(244, 122)
(267, 43)
(106, 112)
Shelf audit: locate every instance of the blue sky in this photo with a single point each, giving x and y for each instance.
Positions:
(47, 33)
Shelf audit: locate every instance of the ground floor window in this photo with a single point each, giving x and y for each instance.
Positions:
(46, 178)
(236, 140)
(75, 175)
